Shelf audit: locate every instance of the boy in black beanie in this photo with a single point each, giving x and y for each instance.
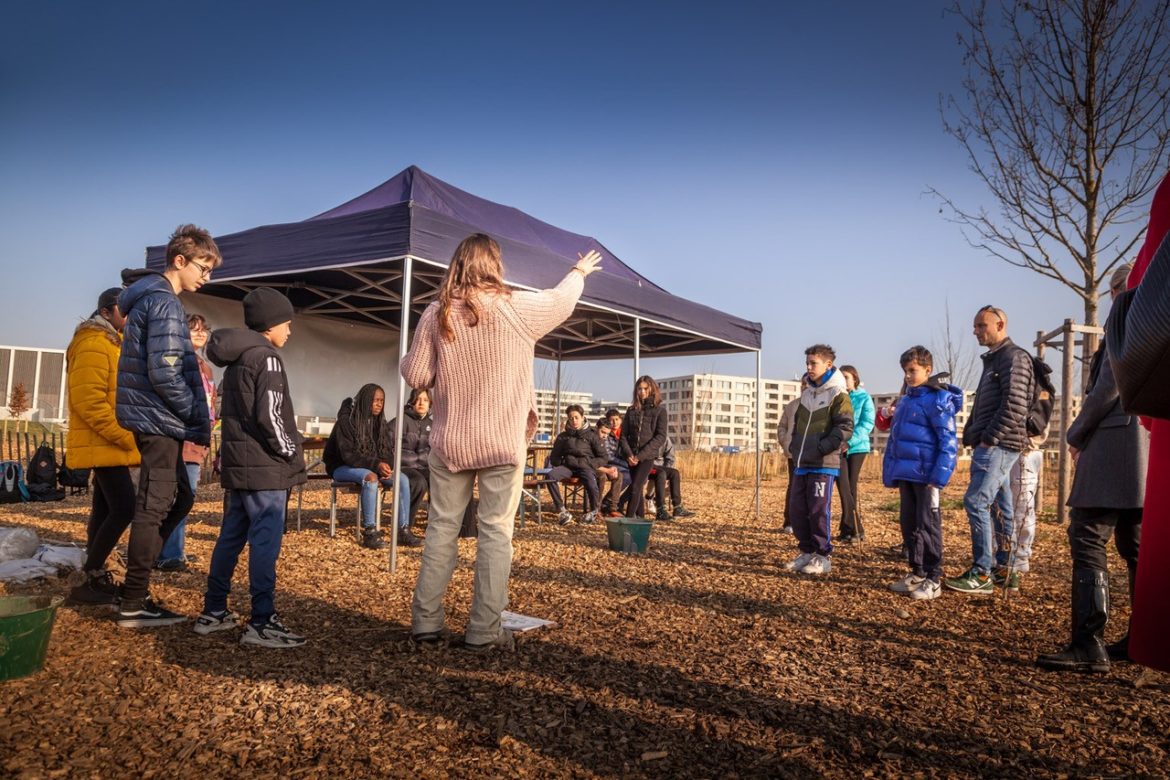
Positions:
(262, 459)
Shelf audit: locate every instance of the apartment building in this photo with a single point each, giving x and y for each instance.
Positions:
(715, 411)
(550, 418)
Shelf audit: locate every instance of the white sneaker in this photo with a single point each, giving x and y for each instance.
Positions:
(907, 584)
(819, 564)
(210, 622)
(564, 517)
(926, 590)
(271, 634)
(799, 562)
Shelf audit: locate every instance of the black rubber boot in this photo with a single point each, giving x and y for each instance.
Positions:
(1090, 612)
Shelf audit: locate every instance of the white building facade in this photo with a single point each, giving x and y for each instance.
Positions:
(41, 372)
(716, 411)
(550, 418)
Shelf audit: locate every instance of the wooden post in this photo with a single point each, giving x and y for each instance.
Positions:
(1066, 390)
(1041, 345)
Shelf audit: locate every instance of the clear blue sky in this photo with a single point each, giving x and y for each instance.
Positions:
(766, 159)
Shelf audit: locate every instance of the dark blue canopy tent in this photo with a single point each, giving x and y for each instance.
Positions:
(349, 262)
(361, 260)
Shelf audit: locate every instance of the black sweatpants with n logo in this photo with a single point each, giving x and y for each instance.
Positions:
(811, 506)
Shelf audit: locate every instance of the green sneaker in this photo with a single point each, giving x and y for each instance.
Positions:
(970, 582)
(1005, 579)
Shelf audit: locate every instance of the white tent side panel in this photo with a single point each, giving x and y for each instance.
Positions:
(326, 360)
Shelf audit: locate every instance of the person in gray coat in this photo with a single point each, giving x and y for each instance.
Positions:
(1110, 448)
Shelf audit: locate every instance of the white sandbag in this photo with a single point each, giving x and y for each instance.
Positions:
(18, 543)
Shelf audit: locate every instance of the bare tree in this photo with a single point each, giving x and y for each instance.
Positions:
(955, 352)
(1063, 116)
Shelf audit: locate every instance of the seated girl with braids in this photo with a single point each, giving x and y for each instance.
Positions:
(360, 450)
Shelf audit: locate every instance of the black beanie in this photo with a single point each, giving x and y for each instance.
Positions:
(107, 300)
(265, 308)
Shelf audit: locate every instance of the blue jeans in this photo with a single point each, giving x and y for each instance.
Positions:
(369, 496)
(255, 518)
(991, 470)
(175, 547)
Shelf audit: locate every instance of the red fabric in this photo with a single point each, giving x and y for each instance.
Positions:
(1149, 638)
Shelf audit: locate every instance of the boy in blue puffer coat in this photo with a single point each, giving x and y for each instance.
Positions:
(919, 460)
(161, 400)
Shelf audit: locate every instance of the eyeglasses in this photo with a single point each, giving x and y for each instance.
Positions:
(998, 312)
(204, 270)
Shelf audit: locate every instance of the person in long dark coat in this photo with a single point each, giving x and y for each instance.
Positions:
(1111, 449)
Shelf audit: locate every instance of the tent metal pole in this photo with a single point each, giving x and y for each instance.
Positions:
(403, 333)
(557, 411)
(759, 427)
(637, 349)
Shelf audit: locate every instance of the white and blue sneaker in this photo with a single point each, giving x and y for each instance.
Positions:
(210, 622)
(271, 634)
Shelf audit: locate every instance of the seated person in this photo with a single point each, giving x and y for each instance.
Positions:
(359, 451)
(617, 451)
(577, 452)
(416, 445)
(609, 477)
(665, 471)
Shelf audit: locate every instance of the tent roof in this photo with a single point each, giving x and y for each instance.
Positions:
(348, 262)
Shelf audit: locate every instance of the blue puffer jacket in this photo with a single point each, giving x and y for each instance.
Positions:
(863, 420)
(922, 446)
(160, 389)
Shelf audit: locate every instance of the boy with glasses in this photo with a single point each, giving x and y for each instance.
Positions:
(162, 401)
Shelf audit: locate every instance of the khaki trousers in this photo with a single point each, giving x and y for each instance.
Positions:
(499, 495)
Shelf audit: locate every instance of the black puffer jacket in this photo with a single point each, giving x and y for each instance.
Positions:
(1003, 399)
(416, 438)
(343, 448)
(644, 430)
(578, 448)
(261, 445)
(160, 389)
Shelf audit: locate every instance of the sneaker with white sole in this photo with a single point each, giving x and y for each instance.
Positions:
(819, 564)
(926, 590)
(588, 518)
(564, 517)
(144, 613)
(799, 562)
(210, 622)
(907, 584)
(271, 634)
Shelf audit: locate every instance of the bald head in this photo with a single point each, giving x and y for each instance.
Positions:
(990, 326)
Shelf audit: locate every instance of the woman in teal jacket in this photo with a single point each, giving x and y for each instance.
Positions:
(855, 451)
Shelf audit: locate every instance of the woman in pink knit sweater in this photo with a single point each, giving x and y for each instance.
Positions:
(474, 348)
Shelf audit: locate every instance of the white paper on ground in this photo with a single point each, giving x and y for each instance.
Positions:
(518, 623)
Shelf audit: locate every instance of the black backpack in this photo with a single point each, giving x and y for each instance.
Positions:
(1043, 395)
(77, 480)
(12, 488)
(42, 475)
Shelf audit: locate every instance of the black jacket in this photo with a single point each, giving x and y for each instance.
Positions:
(1000, 410)
(416, 438)
(578, 448)
(261, 445)
(343, 449)
(160, 390)
(644, 431)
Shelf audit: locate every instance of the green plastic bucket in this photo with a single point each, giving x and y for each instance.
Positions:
(628, 535)
(26, 623)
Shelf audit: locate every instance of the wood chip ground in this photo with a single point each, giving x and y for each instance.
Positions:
(701, 658)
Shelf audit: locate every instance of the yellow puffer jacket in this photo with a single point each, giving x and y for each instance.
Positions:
(95, 438)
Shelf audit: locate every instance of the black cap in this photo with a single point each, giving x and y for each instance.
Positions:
(265, 308)
(108, 299)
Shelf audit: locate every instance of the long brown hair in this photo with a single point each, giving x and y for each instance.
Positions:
(655, 396)
(475, 268)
